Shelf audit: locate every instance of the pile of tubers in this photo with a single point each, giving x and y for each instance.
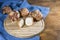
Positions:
(23, 16)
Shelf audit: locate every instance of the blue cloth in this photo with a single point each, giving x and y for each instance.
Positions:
(1, 37)
(16, 5)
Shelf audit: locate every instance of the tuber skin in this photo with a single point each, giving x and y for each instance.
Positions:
(15, 16)
(36, 15)
(28, 18)
(6, 9)
(24, 12)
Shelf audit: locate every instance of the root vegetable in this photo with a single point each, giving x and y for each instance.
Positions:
(29, 21)
(24, 12)
(21, 23)
(36, 15)
(6, 9)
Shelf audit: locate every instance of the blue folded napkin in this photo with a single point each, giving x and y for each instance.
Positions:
(16, 5)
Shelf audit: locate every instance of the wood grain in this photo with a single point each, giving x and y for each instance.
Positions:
(27, 31)
(52, 21)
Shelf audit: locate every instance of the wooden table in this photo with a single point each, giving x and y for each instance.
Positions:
(52, 21)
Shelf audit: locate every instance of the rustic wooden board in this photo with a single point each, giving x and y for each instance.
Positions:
(14, 30)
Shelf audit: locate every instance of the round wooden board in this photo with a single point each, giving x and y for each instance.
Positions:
(26, 32)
